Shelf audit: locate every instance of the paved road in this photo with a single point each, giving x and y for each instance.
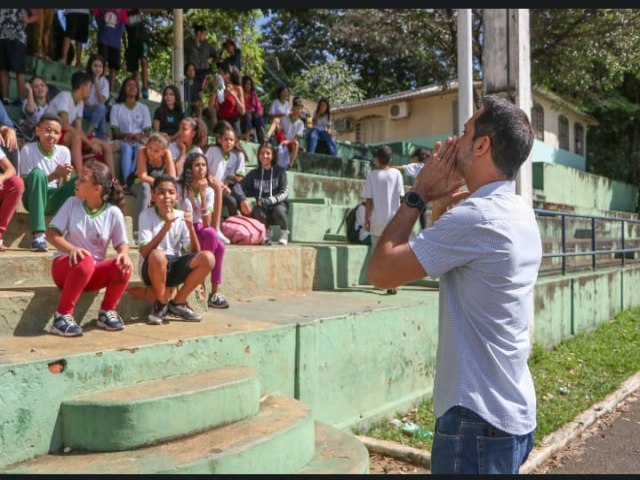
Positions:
(610, 446)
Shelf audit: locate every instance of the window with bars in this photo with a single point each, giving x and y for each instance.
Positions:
(370, 129)
(563, 132)
(578, 134)
(537, 121)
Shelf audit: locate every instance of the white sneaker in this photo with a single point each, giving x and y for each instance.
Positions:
(223, 238)
(284, 237)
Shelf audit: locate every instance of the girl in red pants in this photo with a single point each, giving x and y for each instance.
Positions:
(81, 231)
(11, 188)
(197, 196)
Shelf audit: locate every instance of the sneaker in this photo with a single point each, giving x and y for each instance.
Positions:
(158, 311)
(16, 102)
(217, 301)
(223, 238)
(284, 237)
(65, 326)
(391, 291)
(110, 320)
(39, 244)
(6, 101)
(267, 237)
(184, 311)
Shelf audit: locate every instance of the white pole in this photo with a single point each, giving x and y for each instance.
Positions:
(178, 50)
(465, 76)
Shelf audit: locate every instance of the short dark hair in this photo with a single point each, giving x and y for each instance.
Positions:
(297, 102)
(162, 179)
(383, 154)
(198, 27)
(422, 153)
(49, 117)
(509, 130)
(79, 78)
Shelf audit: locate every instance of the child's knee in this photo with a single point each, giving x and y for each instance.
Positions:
(206, 258)
(157, 259)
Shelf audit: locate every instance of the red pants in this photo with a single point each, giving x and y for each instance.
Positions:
(10, 194)
(88, 275)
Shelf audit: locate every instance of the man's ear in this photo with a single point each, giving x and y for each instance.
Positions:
(482, 145)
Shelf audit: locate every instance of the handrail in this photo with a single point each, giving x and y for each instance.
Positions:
(594, 252)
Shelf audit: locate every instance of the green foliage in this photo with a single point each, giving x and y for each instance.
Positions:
(238, 24)
(590, 366)
(331, 79)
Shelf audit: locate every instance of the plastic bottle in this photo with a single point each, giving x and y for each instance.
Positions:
(410, 429)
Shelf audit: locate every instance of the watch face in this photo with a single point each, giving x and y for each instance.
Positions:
(414, 200)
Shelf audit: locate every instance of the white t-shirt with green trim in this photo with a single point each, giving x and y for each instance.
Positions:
(221, 167)
(195, 207)
(32, 155)
(130, 120)
(92, 231)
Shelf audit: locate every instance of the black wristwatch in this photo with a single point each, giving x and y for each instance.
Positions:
(414, 200)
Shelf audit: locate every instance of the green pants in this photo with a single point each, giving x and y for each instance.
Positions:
(40, 200)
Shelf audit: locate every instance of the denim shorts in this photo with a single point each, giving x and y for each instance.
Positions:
(465, 443)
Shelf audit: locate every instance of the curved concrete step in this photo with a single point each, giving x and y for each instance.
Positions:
(159, 410)
(279, 439)
(337, 452)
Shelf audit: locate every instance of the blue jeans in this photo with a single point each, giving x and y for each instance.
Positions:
(128, 159)
(325, 136)
(96, 117)
(465, 443)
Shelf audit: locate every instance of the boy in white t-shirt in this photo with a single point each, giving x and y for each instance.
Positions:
(69, 106)
(289, 135)
(46, 168)
(383, 190)
(163, 232)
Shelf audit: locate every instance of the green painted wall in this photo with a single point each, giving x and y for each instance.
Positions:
(30, 395)
(360, 367)
(584, 191)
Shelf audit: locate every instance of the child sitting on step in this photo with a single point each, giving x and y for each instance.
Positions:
(81, 231)
(11, 187)
(197, 196)
(163, 232)
(46, 168)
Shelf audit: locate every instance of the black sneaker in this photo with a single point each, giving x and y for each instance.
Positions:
(184, 311)
(158, 311)
(110, 320)
(391, 291)
(217, 301)
(65, 326)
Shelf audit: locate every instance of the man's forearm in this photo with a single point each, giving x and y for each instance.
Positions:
(399, 227)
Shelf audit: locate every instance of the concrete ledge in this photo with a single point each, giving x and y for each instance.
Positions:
(129, 417)
(279, 439)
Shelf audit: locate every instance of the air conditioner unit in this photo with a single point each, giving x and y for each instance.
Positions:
(398, 110)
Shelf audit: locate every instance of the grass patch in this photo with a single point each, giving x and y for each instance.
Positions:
(568, 378)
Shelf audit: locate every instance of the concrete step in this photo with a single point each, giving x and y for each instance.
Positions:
(337, 453)
(278, 439)
(324, 348)
(29, 296)
(159, 410)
